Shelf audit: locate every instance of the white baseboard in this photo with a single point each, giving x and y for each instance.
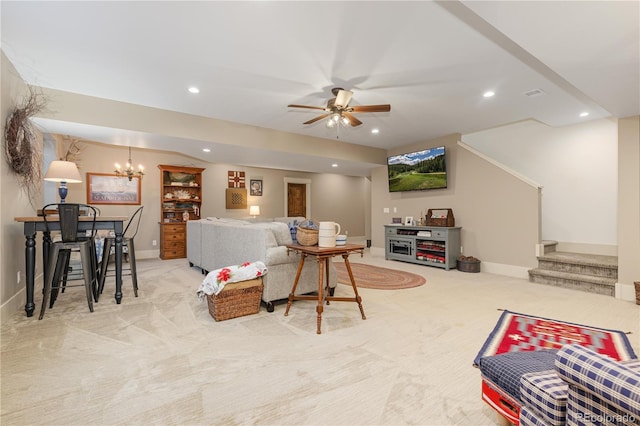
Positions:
(13, 305)
(377, 251)
(506, 270)
(492, 268)
(625, 292)
(147, 254)
(17, 301)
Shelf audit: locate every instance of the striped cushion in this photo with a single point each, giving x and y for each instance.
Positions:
(599, 388)
(506, 369)
(529, 417)
(546, 394)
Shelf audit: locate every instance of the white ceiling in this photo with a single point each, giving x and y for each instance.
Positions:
(432, 61)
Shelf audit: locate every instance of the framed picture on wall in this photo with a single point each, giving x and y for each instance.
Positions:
(104, 188)
(255, 187)
(236, 198)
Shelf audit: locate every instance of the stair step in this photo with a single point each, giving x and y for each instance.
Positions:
(549, 246)
(581, 264)
(588, 283)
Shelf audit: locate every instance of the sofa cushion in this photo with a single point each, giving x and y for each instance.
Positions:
(505, 370)
(279, 230)
(279, 255)
(282, 233)
(270, 239)
(613, 387)
(529, 417)
(227, 221)
(289, 220)
(545, 393)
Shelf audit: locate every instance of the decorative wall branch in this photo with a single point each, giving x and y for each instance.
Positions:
(23, 153)
(72, 148)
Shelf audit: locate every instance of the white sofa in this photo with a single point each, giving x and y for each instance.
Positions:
(214, 243)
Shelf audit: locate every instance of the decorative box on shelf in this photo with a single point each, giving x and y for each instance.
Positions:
(440, 217)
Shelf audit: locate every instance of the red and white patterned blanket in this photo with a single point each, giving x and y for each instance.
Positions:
(516, 332)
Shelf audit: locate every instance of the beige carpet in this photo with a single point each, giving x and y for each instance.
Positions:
(160, 359)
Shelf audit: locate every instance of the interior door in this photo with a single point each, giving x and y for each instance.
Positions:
(296, 199)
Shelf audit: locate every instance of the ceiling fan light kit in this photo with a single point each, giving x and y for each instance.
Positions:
(339, 111)
(338, 118)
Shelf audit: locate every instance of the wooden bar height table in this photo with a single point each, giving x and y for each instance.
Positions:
(35, 224)
(323, 256)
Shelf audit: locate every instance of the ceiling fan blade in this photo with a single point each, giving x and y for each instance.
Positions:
(370, 108)
(313, 120)
(352, 120)
(305, 106)
(342, 98)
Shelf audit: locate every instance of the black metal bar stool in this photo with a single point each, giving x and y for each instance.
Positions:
(127, 244)
(68, 215)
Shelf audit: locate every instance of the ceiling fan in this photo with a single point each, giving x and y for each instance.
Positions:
(339, 111)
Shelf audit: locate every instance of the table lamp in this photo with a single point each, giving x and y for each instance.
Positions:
(254, 211)
(63, 172)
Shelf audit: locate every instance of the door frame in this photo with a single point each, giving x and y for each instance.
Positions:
(307, 183)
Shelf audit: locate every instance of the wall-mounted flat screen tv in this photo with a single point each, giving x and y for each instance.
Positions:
(417, 171)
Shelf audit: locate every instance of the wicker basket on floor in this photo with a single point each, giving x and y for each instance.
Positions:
(637, 285)
(307, 237)
(236, 300)
(468, 265)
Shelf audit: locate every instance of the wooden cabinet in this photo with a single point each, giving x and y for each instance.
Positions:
(181, 200)
(173, 240)
(425, 245)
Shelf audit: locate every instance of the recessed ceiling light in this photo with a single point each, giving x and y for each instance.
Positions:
(584, 114)
(206, 150)
(375, 131)
(488, 94)
(334, 165)
(194, 89)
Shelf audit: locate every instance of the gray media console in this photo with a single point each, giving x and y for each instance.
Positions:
(424, 245)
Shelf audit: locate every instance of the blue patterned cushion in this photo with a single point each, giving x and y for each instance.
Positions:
(545, 393)
(529, 417)
(599, 388)
(505, 370)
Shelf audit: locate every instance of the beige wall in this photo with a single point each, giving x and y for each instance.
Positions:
(577, 166)
(14, 202)
(628, 206)
(497, 210)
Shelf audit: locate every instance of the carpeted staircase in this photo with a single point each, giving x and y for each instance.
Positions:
(586, 272)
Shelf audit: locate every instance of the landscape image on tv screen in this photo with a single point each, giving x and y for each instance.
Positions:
(417, 171)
